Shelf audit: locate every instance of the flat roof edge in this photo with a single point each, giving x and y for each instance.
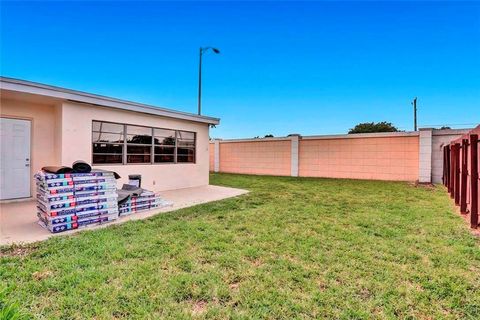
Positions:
(79, 96)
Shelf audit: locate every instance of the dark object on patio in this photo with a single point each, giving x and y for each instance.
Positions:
(57, 169)
(81, 166)
(116, 175)
(135, 190)
(128, 191)
(135, 180)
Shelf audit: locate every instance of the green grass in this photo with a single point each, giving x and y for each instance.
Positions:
(291, 248)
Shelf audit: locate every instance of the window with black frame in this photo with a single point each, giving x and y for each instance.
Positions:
(165, 144)
(107, 141)
(185, 146)
(139, 144)
(115, 143)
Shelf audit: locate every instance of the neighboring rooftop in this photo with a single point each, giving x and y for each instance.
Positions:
(35, 88)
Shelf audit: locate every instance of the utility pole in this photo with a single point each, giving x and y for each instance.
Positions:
(414, 103)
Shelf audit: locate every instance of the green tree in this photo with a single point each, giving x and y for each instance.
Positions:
(369, 127)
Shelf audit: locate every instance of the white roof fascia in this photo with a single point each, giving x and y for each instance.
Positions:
(78, 96)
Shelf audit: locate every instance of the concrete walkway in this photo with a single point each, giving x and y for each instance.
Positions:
(18, 220)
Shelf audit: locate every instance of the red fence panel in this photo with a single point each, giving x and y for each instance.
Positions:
(463, 176)
(456, 186)
(461, 173)
(474, 180)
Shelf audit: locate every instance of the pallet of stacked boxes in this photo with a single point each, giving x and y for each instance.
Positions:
(147, 200)
(75, 200)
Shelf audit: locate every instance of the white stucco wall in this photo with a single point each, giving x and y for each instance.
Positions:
(76, 144)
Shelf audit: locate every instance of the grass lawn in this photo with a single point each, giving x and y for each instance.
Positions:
(291, 248)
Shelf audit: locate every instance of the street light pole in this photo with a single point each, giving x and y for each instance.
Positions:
(200, 83)
(201, 52)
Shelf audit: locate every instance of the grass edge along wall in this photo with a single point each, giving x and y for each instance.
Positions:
(396, 156)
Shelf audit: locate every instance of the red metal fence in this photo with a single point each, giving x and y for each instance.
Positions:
(460, 173)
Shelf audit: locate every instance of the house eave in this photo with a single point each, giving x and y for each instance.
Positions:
(29, 87)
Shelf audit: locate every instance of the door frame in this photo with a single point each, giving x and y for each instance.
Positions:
(32, 122)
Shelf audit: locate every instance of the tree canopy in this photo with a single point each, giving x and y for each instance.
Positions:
(369, 127)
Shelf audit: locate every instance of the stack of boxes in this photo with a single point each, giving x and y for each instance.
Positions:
(147, 200)
(74, 200)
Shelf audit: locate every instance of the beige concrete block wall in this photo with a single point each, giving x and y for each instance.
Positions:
(266, 157)
(43, 128)
(76, 144)
(382, 158)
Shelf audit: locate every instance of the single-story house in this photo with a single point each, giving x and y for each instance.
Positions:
(43, 125)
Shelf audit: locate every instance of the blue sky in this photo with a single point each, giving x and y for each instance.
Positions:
(308, 68)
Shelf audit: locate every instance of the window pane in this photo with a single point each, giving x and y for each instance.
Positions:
(186, 143)
(169, 141)
(185, 151)
(186, 135)
(107, 137)
(141, 135)
(186, 159)
(164, 137)
(138, 149)
(107, 152)
(164, 133)
(107, 158)
(137, 130)
(163, 158)
(140, 139)
(185, 155)
(107, 127)
(138, 158)
(164, 150)
(107, 148)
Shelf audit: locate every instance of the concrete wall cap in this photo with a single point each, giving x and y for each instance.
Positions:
(446, 132)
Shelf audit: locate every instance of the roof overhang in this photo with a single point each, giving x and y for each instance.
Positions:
(34, 88)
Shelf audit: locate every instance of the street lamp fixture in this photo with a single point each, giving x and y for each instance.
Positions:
(202, 51)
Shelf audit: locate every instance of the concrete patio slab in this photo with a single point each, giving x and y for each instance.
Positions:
(18, 220)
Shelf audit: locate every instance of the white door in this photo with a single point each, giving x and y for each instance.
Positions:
(15, 158)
